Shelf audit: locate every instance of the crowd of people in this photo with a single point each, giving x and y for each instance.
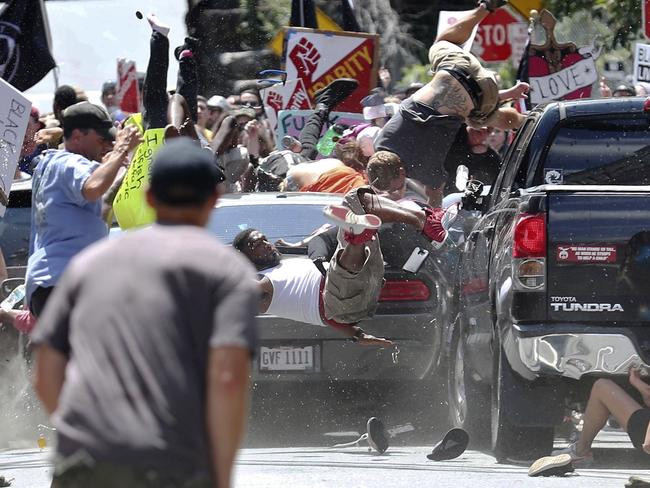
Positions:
(170, 407)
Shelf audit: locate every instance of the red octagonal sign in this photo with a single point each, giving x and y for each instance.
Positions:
(492, 42)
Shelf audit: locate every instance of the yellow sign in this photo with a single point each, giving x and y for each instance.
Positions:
(324, 23)
(130, 205)
(525, 6)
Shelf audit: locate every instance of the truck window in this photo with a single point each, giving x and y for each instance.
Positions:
(600, 152)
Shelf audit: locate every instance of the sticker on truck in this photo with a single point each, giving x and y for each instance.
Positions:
(586, 254)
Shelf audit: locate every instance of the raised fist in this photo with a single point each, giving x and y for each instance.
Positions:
(275, 101)
(305, 57)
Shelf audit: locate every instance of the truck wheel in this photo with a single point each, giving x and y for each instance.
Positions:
(468, 402)
(511, 441)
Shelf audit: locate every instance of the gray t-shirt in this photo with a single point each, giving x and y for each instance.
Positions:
(137, 316)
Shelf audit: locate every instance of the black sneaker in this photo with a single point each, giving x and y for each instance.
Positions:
(551, 466)
(191, 43)
(452, 445)
(377, 435)
(335, 92)
(492, 5)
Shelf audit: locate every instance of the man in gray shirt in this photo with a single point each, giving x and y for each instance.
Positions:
(143, 351)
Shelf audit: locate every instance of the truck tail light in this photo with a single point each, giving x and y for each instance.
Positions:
(530, 236)
(529, 251)
(402, 291)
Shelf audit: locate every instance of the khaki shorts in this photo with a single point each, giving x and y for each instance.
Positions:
(447, 53)
(351, 297)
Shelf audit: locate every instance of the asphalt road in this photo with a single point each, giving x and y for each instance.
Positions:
(400, 466)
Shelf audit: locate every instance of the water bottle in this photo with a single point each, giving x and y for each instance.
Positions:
(462, 176)
(15, 297)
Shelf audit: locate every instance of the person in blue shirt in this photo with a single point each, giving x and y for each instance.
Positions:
(67, 191)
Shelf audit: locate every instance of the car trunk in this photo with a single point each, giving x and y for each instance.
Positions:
(599, 256)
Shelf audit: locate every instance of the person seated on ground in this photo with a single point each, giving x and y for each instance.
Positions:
(295, 288)
(606, 398)
(461, 90)
(471, 150)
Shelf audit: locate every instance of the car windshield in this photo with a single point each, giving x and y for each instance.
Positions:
(291, 222)
(600, 152)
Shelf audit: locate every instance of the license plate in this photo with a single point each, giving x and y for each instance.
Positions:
(288, 358)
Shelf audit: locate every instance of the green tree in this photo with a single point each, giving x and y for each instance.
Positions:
(622, 17)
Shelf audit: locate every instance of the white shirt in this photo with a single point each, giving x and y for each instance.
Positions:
(296, 290)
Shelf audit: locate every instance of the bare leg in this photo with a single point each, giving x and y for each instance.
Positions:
(606, 397)
(462, 30)
(353, 257)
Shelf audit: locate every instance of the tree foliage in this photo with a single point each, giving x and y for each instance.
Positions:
(622, 17)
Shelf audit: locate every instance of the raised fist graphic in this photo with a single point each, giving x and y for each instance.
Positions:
(275, 101)
(305, 58)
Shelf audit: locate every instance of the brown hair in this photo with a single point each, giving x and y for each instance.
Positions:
(350, 154)
(383, 167)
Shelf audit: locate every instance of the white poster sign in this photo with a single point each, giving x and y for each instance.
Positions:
(447, 18)
(291, 95)
(555, 86)
(642, 63)
(14, 115)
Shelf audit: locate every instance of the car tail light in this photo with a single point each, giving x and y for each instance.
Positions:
(401, 291)
(530, 236)
(529, 251)
(646, 105)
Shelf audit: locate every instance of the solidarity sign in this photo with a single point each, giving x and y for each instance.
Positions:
(317, 58)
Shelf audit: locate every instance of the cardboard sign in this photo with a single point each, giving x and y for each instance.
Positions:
(14, 116)
(291, 122)
(319, 57)
(642, 63)
(126, 91)
(130, 205)
(586, 254)
(290, 96)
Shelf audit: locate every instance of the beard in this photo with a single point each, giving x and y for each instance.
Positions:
(269, 261)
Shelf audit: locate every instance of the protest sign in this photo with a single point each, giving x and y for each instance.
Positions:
(291, 122)
(560, 71)
(126, 92)
(319, 57)
(14, 116)
(289, 96)
(642, 63)
(130, 205)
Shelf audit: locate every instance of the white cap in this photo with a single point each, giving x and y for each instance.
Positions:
(217, 101)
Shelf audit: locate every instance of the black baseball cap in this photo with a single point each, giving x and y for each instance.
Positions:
(182, 173)
(86, 115)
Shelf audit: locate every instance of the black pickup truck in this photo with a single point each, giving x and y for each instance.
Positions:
(554, 280)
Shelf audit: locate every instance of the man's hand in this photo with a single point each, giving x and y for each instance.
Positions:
(518, 91)
(48, 136)
(640, 385)
(127, 139)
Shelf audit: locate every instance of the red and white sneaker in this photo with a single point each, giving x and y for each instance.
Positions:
(433, 229)
(357, 228)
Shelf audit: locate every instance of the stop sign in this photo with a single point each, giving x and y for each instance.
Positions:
(492, 42)
(646, 18)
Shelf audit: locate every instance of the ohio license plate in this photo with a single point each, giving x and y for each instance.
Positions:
(288, 358)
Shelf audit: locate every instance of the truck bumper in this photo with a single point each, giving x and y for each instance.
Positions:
(546, 351)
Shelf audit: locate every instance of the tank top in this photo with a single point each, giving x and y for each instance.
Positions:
(296, 290)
